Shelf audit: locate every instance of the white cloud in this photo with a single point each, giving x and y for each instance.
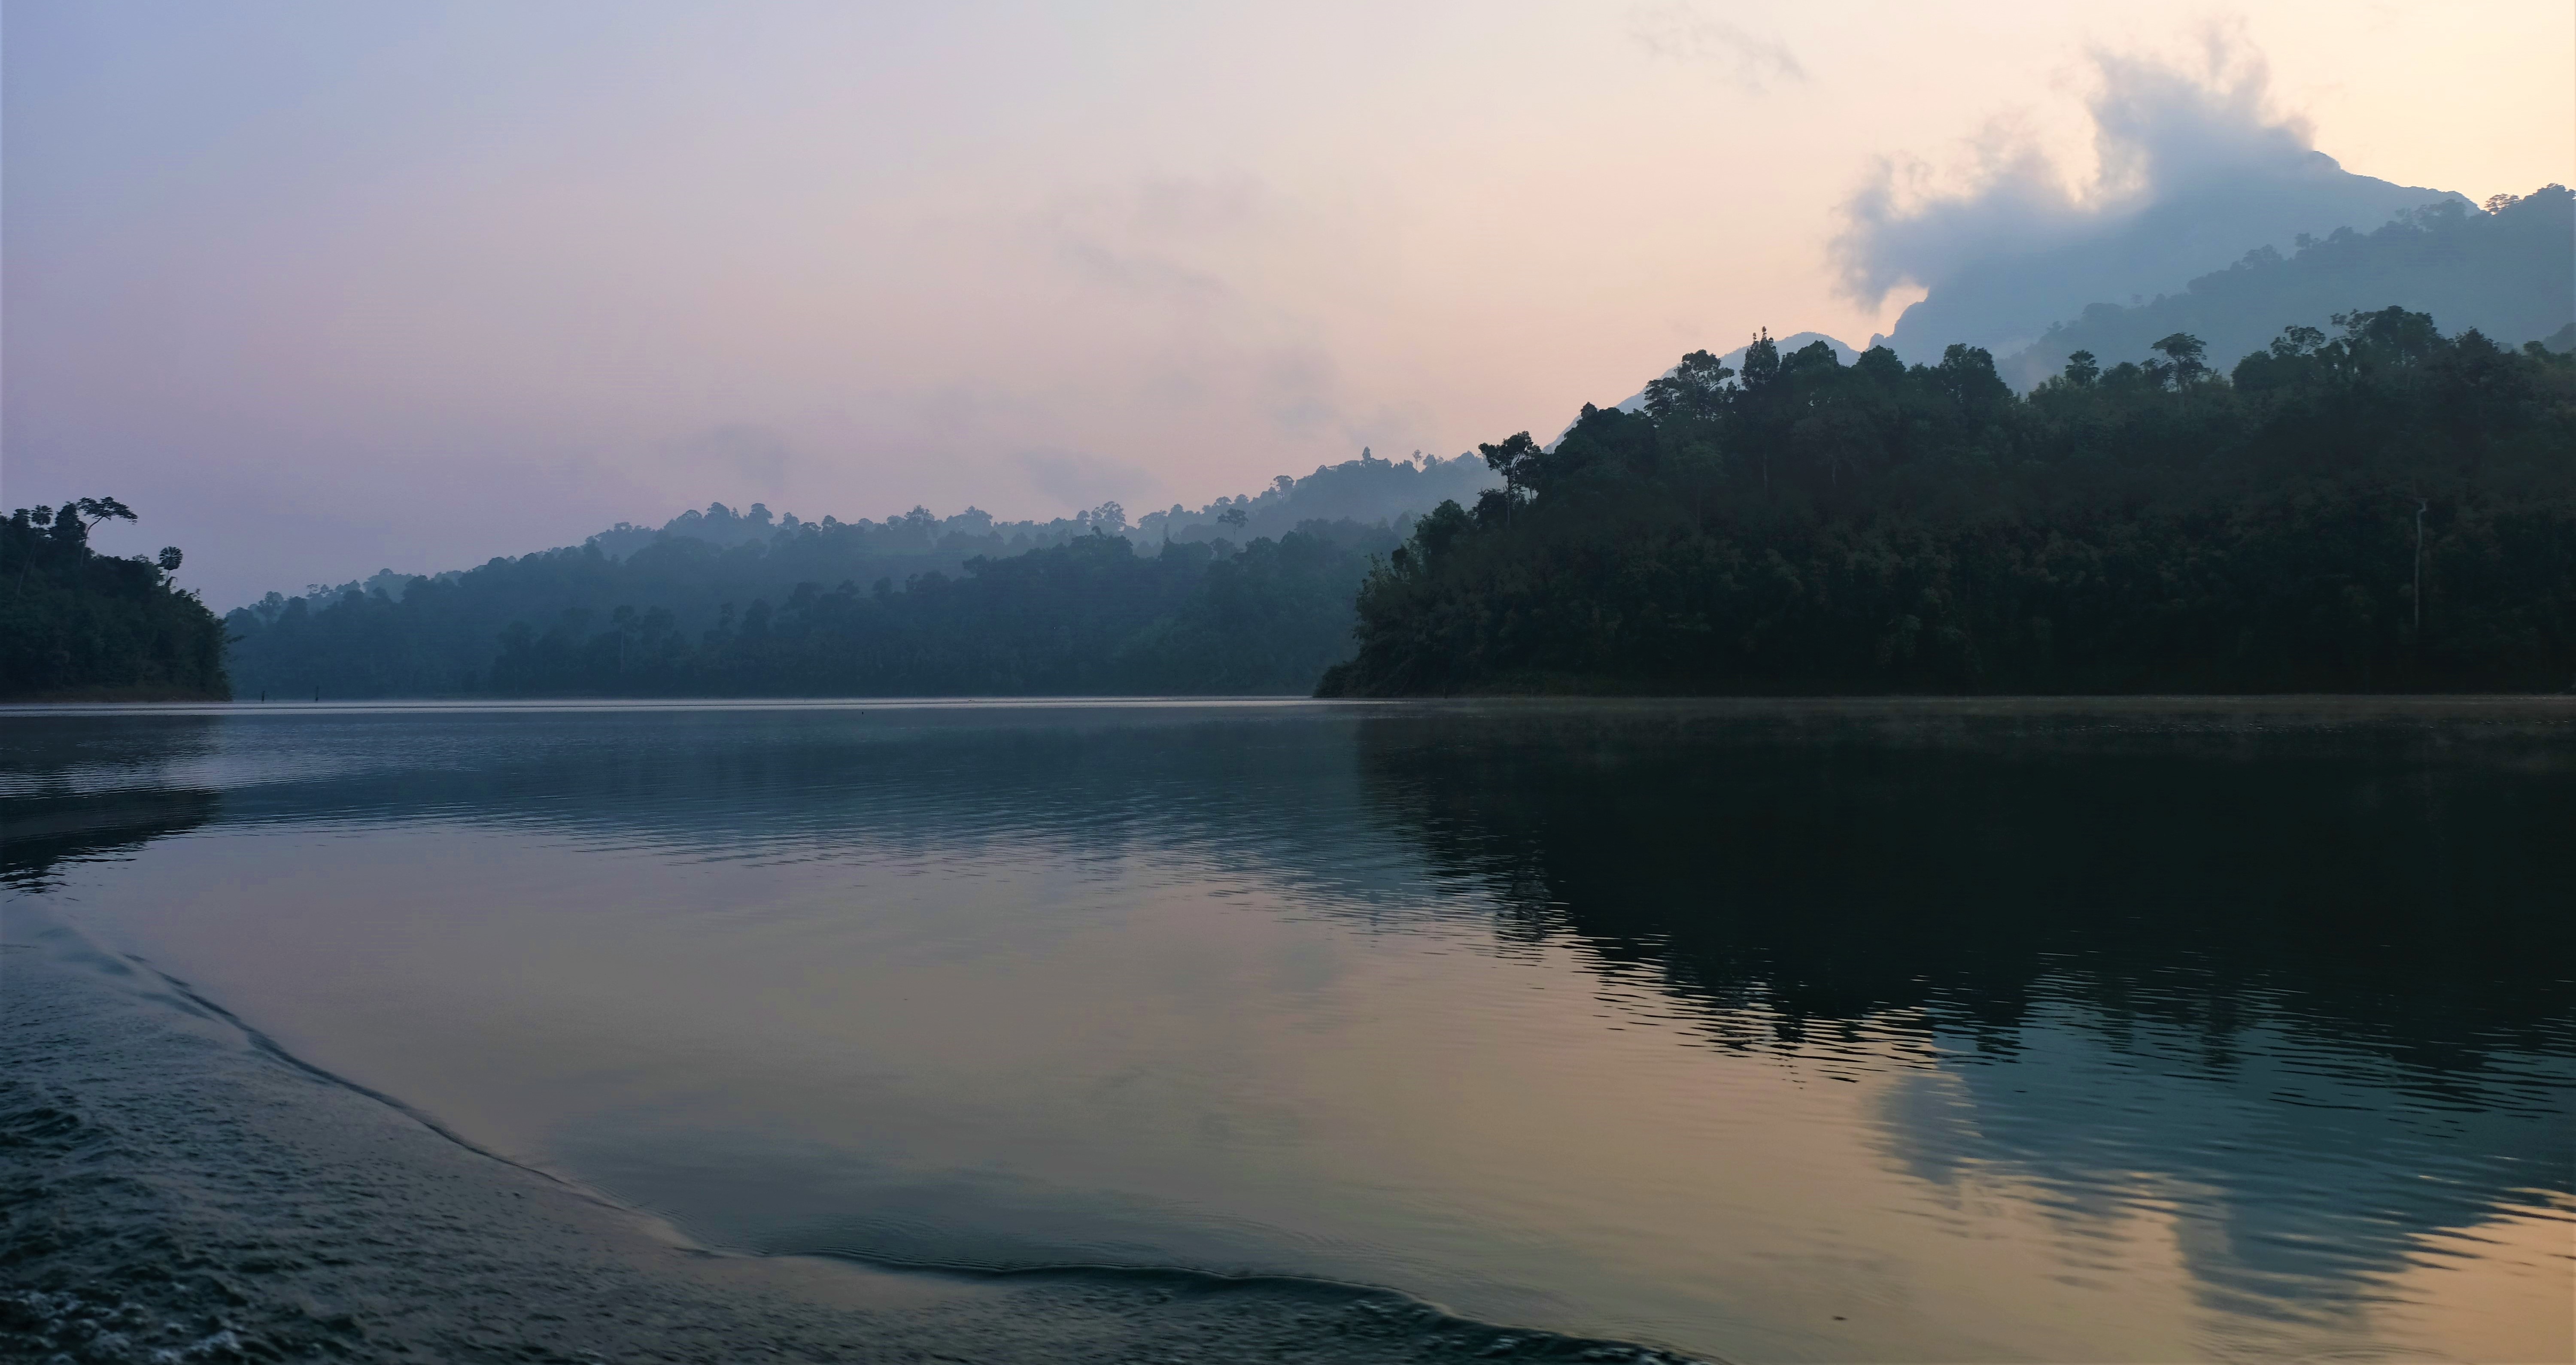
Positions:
(2160, 131)
(1677, 31)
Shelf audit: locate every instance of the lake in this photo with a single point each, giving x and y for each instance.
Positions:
(1762, 1031)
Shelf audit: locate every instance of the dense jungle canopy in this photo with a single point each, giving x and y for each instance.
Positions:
(79, 625)
(1807, 526)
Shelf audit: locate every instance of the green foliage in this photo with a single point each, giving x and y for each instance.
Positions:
(78, 624)
(684, 617)
(2152, 526)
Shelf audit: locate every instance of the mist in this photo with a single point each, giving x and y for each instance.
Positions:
(2193, 165)
(833, 680)
(322, 290)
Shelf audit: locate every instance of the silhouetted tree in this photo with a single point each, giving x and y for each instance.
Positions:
(77, 623)
(2153, 525)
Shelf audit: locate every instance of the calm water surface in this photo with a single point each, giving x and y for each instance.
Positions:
(1770, 1032)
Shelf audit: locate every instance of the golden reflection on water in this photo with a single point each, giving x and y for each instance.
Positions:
(2501, 1290)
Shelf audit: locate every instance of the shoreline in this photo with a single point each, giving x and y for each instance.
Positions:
(1858, 703)
(178, 1188)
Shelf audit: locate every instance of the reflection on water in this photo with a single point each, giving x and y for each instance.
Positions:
(1791, 1032)
(73, 792)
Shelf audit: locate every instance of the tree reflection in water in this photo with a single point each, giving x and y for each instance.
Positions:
(2309, 984)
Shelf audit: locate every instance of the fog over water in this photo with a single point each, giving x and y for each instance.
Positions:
(1767, 1031)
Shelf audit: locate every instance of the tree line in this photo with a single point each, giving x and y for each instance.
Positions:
(684, 617)
(2384, 508)
(76, 624)
(2506, 270)
(1288, 559)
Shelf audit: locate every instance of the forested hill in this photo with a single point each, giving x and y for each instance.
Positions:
(2155, 525)
(1367, 490)
(2508, 271)
(1248, 594)
(79, 625)
(807, 614)
(911, 542)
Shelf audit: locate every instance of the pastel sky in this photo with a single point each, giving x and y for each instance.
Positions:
(323, 288)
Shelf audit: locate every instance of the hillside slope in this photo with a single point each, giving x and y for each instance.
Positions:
(2003, 302)
(2510, 274)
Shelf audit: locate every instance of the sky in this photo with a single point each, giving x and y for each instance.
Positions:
(321, 289)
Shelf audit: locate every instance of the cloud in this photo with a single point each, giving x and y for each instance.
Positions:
(755, 457)
(2160, 131)
(1165, 239)
(1196, 272)
(1677, 31)
(1081, 480)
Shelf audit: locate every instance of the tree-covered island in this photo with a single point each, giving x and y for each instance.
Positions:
(77, 625)
(2383, 509)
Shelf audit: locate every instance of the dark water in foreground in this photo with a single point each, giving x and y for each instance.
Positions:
(1873, 1031)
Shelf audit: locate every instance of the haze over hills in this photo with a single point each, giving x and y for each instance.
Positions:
(2510, 273)
(2195, 169)
(1248, 594)
(2507, 270)
(2195, 174)
(1367, 491)
(2209, 214)
(2005, 302)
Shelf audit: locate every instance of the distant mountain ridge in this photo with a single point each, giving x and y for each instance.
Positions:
(2005, 303)
(2508, 272)
(1367, 492)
